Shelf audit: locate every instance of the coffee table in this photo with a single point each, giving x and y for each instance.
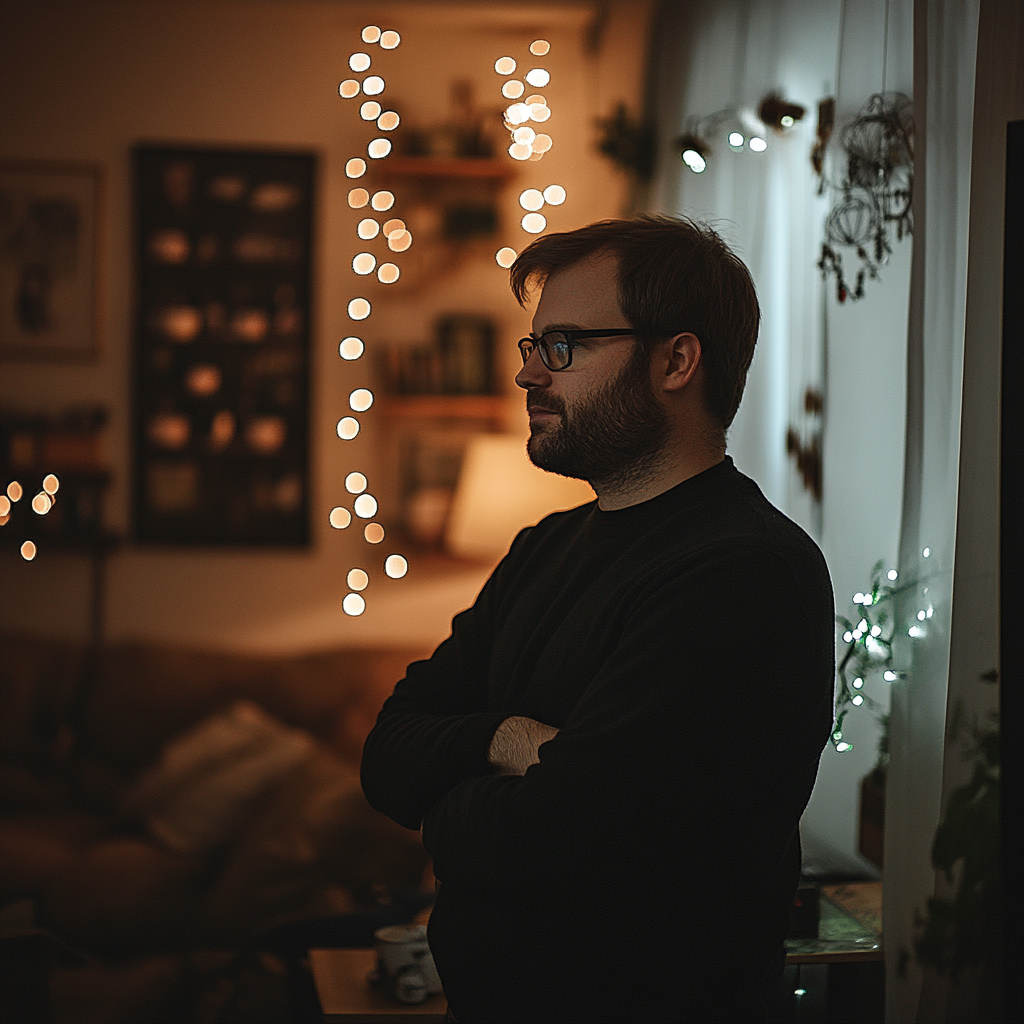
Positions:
(345, 994)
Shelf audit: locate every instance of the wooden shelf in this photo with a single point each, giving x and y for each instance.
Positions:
(468, 407)
(444, 167)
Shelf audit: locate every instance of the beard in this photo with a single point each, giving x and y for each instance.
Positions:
(612, 437)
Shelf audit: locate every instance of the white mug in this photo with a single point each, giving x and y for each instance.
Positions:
(404, 962)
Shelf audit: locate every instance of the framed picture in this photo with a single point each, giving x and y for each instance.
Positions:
(223, 254)
(50, 215)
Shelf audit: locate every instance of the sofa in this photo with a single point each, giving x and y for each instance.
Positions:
(164, 805)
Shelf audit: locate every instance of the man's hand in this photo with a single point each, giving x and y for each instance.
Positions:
(514, 746)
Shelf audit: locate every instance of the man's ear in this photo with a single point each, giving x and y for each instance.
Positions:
(683, 361)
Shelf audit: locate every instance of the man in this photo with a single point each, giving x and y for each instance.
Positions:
(610, 754)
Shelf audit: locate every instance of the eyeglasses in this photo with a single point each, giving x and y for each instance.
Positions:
(556, 346)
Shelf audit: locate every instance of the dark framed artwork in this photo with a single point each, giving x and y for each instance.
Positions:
(50, 218)
(221, 421)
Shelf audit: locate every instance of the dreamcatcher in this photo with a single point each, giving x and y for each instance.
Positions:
(874, 195)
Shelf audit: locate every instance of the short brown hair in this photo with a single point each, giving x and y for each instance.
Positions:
(675, 275)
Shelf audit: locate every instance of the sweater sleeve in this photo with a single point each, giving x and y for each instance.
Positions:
(705, 726)
(434, 731)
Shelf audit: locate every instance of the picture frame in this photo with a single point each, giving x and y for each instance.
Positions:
(222, 346)
(51, 220)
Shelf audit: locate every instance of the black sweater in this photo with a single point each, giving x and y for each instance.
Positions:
(644, 869)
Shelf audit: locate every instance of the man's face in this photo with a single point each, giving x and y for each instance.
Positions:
(599, 420)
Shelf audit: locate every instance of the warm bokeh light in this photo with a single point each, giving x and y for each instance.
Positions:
(355, 483)
(204, 379)
(399, 241)
(374, 533)
(539, 111)
(393, 225)
(389, 40)
(517, 113)
(353, 605)
(365, 506)
(535, 98)
(388, 273)
(513, 89)
(396, 566)
(358, 198)
(348, 427)
(542, 143)
(5, 506)
(355, 168)
(379, 148)
(520, 151)
(531, 199)
(340, 518)
(28, 550)
(382, 201)
(15, 490)
(505, 257)
(538, 77)
(524, 134)
(348, 89)
(41, 503)
(364, 263)
(351, 348)
(357, 579)
(373, 85)
(535, 223)
(367, 228)
(504, 65)
(359, 61)
(360, 400)
(554, 194)
(370, 34)
(539, 47)
(358, 309)
(388, 121)
(370, 110)
(51, 484)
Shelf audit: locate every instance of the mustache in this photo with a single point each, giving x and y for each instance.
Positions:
(547, 403)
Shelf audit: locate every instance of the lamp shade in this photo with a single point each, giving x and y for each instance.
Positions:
(499, 492)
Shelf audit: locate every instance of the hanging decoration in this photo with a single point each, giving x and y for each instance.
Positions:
(873, 197)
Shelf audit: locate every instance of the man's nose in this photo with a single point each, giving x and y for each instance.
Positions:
(534, 373)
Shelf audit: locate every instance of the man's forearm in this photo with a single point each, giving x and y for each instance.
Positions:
(515, 744)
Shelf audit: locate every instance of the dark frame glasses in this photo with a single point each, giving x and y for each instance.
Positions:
(556, 346)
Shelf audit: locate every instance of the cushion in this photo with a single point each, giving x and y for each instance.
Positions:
(210, 780)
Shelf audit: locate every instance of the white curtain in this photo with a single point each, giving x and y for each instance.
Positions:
(968, 83)
(945, 44)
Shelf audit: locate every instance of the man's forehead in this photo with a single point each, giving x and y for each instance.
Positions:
(582, 295)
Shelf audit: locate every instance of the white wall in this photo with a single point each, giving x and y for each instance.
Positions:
(85, 79)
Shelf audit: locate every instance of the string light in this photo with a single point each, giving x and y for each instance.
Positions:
(364, 263)
(365, 506)
(527, 144)
(351, 348)
(869, 648)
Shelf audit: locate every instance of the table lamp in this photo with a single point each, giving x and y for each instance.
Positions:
(499, 492)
